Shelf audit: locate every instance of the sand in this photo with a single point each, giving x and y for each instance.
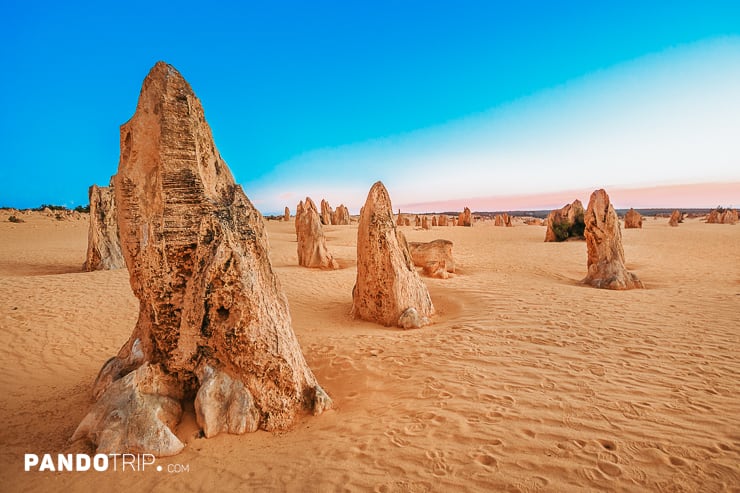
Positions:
(527, 381)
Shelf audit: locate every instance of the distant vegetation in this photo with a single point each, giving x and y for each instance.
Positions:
(79, 208)
(14, 219)
(564, 229)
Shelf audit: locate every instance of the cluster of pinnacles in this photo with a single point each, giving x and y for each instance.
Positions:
(213, 324)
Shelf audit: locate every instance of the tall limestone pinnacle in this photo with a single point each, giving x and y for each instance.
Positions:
(213, 322)
(388, 289)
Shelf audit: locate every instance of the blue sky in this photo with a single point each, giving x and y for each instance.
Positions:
(324, 98)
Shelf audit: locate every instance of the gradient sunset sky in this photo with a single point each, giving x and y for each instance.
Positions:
(495, 105)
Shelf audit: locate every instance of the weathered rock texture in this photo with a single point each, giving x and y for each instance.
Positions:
(417, 222)
(435, 257)
(502, 220)
(443, 220)
(286, 215)
(565, 223)
(632, 219)
(400, 221)
(434, 221)
(465, 219)
(387, 283)
(722, 216)
(103, 245)
(425, 223)
(676, 217)
(326, 213)
(340, 216)
(312, 251)
(213, 320)
(604, 245)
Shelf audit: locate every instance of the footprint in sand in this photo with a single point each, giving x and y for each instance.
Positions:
(438, 463)
(396, 438)
(609, 468)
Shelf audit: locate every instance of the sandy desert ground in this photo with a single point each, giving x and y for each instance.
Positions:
(527, 381)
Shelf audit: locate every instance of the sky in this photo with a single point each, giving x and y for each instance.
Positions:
(497, 105)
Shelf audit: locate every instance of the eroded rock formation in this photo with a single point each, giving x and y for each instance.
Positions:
(213, 320)
(387, 284)
(565, 223)
(286, 214)
(443, 220)
(425, 222)
(434, 221)
(604, 245)
(312, 251)
(722, 216)
(465, 219)
(632, 219)
(400, 221)
(676, 217)
(103, 245)
(435, 257)
(326, 213)
(340, 216)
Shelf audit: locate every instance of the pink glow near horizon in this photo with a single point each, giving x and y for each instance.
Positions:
(704, 195)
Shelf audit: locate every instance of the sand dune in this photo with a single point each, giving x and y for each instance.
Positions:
(527, 381)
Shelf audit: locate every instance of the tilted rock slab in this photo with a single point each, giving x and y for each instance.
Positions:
(312, 251)
(676, 217)
(213, 319)
(604, 245)
(632, 219)
(567, 218)
(435, 257)
(326, 213)
(103, 245)
(387, 284)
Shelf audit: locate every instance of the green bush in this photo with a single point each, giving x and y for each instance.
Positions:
(565, 229)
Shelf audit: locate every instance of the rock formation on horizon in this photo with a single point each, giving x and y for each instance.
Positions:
(312, 251)
(604, 246)
(340, 217)
(632, 219)
(465, 219)
(502, 220)
(103, 245)
(434, 221)
(326, 213)
(286, 214)
(443, 220)
(213, 320)
(417, 221)
(721, 215)
(565, 223)
(388, 289)
(434, 257)
(400, 221)
(676, 217)
(425, 222)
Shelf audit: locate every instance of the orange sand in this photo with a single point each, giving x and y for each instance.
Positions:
(527, 381)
